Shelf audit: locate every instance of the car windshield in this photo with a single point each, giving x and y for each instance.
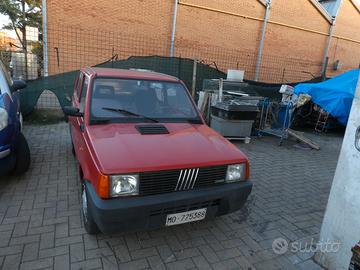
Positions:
(140, 100)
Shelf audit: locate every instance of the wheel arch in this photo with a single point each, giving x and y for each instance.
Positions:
(81, 173)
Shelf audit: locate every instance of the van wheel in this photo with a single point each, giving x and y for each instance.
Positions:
(22, 154)
(89, 223)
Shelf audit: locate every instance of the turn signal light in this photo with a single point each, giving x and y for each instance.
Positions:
(103, 186)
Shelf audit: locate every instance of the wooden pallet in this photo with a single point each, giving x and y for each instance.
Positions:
(303, 139)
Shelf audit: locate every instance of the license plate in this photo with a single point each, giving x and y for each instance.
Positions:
(185, 217)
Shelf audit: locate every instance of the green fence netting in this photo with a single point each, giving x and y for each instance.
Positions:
(62, 85)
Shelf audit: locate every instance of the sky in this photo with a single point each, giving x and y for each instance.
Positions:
(5, 20)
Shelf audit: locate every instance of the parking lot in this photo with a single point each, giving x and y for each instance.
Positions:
(41, 226)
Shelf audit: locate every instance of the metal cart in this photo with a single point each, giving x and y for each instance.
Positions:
(275, 119)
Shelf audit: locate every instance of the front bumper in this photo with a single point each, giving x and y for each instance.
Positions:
(5, 152)
(149, 212)
(7, 162)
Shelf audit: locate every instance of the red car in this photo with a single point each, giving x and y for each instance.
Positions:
(146, 157)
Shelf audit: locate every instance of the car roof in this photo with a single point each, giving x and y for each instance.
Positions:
(129, 74)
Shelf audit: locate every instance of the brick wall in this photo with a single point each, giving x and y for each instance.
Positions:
(89, 32)
(307, 47)
(224, 32)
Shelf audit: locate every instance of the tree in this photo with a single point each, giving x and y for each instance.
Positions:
(22, 13)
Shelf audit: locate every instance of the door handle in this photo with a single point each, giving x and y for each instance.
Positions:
(82, 127)
(357, 139)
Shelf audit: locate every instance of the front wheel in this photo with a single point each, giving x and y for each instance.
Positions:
(89, 223)
(22, 154)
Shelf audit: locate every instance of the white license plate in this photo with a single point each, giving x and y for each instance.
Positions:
(185, 217)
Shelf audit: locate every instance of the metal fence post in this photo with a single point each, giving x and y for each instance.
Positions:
(261, 46)
(173, 29)
(325, 65)
(194, 79)
(45, 44)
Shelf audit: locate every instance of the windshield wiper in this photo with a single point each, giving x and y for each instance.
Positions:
(129, 113)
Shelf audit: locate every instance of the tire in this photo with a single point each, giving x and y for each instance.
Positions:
(22, 154)
(89, 223)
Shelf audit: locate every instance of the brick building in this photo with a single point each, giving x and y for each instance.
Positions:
(225, 32)
(7, 43)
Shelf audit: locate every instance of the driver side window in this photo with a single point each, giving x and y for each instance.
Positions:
(83, 93)
(78, 85)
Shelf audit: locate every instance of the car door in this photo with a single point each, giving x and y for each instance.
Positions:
(74, 121)
(79, 124)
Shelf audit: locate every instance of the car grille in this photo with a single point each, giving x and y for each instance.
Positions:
(159, 182)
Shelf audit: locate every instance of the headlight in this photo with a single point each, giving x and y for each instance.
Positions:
(236, 172)
(124, 185)
(4, 118)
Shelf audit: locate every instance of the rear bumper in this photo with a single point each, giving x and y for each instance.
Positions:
(149, 212)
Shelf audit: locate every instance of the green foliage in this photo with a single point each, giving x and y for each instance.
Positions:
(37, 48)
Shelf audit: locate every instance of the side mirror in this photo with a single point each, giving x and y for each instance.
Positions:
(17, 85)
(72, 111)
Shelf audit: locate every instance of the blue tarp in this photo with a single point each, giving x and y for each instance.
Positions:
(335, 96)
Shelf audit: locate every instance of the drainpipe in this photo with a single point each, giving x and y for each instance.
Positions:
(173, 29)
(328, 42)
(260, 52)
(45, 45)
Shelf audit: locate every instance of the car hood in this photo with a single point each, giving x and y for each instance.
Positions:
(120, 148)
